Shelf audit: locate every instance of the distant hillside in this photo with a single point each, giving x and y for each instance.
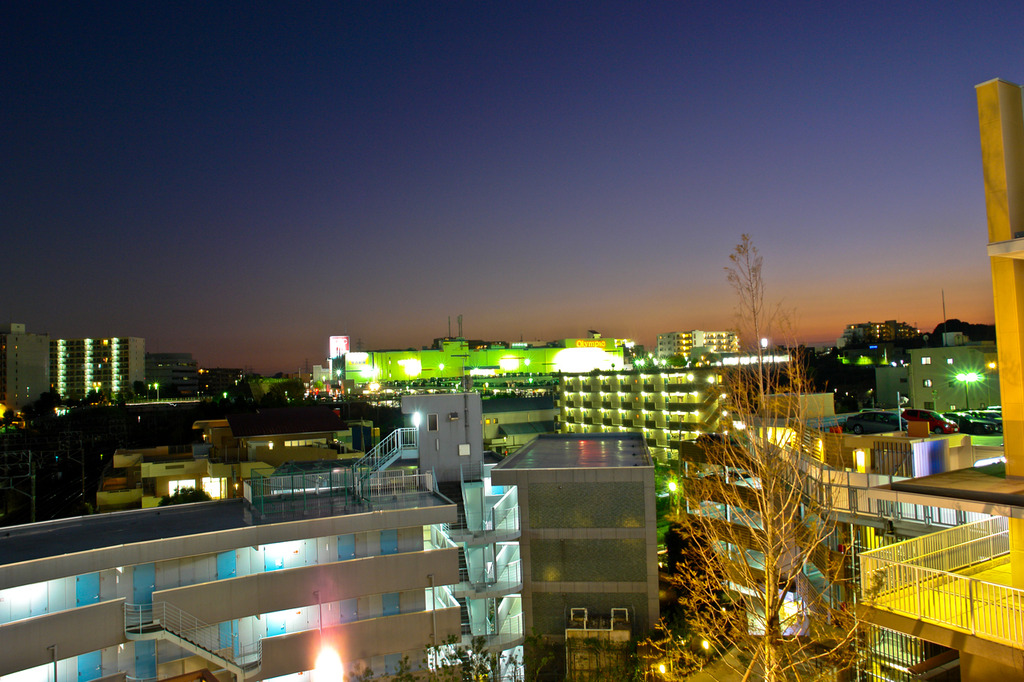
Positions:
(975, 332)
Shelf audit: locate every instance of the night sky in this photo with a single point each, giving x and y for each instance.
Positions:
(241, 183)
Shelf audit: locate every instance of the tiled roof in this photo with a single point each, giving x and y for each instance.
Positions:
(285, 420)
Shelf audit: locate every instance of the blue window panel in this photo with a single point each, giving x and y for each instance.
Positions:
(143, 584)
(145, 658)
(349, 610)
(389, 542)
(346, 547)
(275, 625)
(90, 666)
(391, 603)
(272, 562)
(226, 565)
(87, 589)
(227, 635)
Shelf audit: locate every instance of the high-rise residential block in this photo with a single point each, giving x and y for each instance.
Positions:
(24, 366)
(109, 366)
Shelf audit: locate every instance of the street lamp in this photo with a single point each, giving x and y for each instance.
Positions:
(967, 378)
(328, 663)
(672, 488)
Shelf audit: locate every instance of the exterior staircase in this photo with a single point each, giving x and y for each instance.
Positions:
(169, 623)
(386, 453)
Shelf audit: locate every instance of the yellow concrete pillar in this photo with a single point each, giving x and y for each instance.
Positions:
(1001, 123)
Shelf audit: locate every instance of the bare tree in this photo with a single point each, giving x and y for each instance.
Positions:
(775, 599)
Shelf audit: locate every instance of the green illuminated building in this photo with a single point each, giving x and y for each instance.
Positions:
(452, 359)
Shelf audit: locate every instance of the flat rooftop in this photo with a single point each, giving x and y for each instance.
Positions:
(581, 450)
(980, 484)
(85, 533)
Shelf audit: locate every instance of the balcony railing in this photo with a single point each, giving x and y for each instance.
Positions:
(493, 576)
(918, 579)
(142, 619)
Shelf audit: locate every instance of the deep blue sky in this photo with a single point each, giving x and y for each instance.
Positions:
(243, 182)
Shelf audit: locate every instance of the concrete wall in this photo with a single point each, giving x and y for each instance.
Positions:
(215, 602)
(23, 644)
(439, 447)
(572, 521)
(362, 642)
(63, 565)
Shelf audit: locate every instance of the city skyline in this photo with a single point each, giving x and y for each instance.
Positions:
(242, 187)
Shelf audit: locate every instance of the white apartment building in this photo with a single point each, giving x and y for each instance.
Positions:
(24, 366)
(108, 366)
(684, 343)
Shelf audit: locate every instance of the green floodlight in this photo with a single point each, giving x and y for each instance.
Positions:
(967, 378)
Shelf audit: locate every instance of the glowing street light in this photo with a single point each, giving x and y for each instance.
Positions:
(328, 662)
(967, 378)
(328, 666)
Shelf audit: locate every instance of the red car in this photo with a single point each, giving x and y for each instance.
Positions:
(936, 422)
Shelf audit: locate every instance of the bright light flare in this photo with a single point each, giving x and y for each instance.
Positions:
(328, 666)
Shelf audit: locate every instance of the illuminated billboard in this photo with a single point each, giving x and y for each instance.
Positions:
(337, 346)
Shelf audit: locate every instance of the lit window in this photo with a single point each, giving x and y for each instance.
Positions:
(927, 383)
(949, 361)
(926, 360)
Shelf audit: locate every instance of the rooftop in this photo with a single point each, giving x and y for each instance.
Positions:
(981, 484)
(285, 420)
(581, 450)
(84, 533)
(301, 492)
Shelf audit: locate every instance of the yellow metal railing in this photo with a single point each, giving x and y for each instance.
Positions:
(918, 578)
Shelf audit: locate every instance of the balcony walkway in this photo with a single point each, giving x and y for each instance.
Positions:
(958, 579)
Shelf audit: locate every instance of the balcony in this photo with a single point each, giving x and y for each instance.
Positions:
(958, 579)
(493, 581)
(509, 634)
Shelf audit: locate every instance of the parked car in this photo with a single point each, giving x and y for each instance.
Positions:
(936, 422)
(975, 422)
(874, 422)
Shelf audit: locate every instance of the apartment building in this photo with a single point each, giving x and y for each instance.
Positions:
(231, 449)
(947, 378)
(511, 423)
(375, 561)
(176, 373)
(876, 332)
(687, 343)
(109, 366)
(667, 407)
(24, 366)
(963, 588)
(589, 531)
(156, 593)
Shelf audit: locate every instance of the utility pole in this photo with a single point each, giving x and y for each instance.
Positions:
(18, 466)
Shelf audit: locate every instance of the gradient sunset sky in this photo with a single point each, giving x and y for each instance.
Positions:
(242, 181)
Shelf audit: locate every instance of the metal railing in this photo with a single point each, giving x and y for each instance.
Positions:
(509, 576)
(916, 578)
(860, 494)
(383, 453)
(309, 483)
(505, 522)
(952, 548)
(141, 619)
